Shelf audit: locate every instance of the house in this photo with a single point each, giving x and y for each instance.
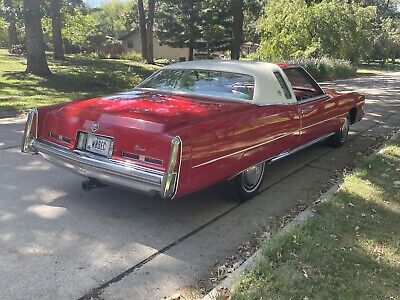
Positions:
(249, 48)
(132, 43)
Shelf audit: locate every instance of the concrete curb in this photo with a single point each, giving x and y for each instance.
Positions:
(232, 279)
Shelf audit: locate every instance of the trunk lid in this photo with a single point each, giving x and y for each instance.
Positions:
(140, 122)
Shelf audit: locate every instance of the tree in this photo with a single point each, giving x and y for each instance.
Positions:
(80, 29)
(36, 57)
(55, 8)
(387, 42)
(338, 29)
(142, 28)
(252, 14)
(283, 30)
(3, 32)
(195, 24)
(146, 29)
(10, 17)
(178, 24)
(237, 27)
(114, 17)
(150, 30)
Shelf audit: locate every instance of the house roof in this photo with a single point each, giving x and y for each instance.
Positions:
(129, 33)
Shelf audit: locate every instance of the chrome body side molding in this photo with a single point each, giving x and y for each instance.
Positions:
(290, 152)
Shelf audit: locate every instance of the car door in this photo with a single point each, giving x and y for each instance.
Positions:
(316, 108)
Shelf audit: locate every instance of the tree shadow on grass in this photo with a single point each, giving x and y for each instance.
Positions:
(78, 77)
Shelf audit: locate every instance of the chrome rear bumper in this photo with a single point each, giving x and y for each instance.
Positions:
(141, 179)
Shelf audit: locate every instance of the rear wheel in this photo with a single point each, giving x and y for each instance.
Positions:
(246, 185)
(340, 136)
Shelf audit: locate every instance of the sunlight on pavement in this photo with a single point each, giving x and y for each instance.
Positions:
(47, 212)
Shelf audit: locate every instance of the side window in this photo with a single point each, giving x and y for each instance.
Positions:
(304, 85)
(283, 85)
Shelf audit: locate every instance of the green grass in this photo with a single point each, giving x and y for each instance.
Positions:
(75, 78)
(368, 72)
(349, 250)
(374, 66)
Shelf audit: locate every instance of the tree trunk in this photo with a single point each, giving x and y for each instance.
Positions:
(192, 28)
(12, 29)
(191, 51)
(237, 28)
(142, 29)
(394, 57)
(55, 7)
(150, 27)
(36, 56)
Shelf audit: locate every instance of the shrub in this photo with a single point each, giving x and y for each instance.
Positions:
(131, 56)
(327, 68)
(324, 68)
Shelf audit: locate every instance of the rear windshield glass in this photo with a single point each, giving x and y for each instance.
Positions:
(202, 82)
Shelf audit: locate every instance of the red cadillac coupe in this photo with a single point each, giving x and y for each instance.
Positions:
(191, 125)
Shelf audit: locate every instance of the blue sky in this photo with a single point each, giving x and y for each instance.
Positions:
(93, 2)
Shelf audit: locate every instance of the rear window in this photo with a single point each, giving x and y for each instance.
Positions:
(202, 82)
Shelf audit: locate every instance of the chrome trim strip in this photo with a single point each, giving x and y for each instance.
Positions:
(106, 170)
(301, 147)
(290, 152)
(171, 177)
(243, 150)
(179, 168)
(319, 97)
(26, 139)
(326, 120)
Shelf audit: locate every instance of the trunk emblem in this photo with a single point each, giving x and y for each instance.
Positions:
(138, 148)
(94, 127)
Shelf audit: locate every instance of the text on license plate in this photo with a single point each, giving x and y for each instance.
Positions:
(98, 144)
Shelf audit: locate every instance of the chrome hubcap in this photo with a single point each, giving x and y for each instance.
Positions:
(345, 130)
(252, 176)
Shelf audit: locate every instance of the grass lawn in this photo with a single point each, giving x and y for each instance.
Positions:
(376, 69)
(368, 72)
(349, 250)
(74, 78)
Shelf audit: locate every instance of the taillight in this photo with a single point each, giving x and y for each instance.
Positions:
(171, 175)
(30, 132)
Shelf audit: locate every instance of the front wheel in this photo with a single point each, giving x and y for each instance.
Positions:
(246, 185)
(340, 136)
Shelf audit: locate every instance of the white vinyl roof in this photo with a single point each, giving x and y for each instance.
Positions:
(267, 89)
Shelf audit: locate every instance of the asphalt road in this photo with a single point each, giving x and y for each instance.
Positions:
(58, 242)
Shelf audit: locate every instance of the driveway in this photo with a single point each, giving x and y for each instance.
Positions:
(59, 242)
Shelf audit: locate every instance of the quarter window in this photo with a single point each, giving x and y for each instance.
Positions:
(283, 85)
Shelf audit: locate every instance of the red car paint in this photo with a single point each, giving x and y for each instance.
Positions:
(220, 138)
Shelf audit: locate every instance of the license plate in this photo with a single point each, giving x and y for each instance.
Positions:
(98, 144)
